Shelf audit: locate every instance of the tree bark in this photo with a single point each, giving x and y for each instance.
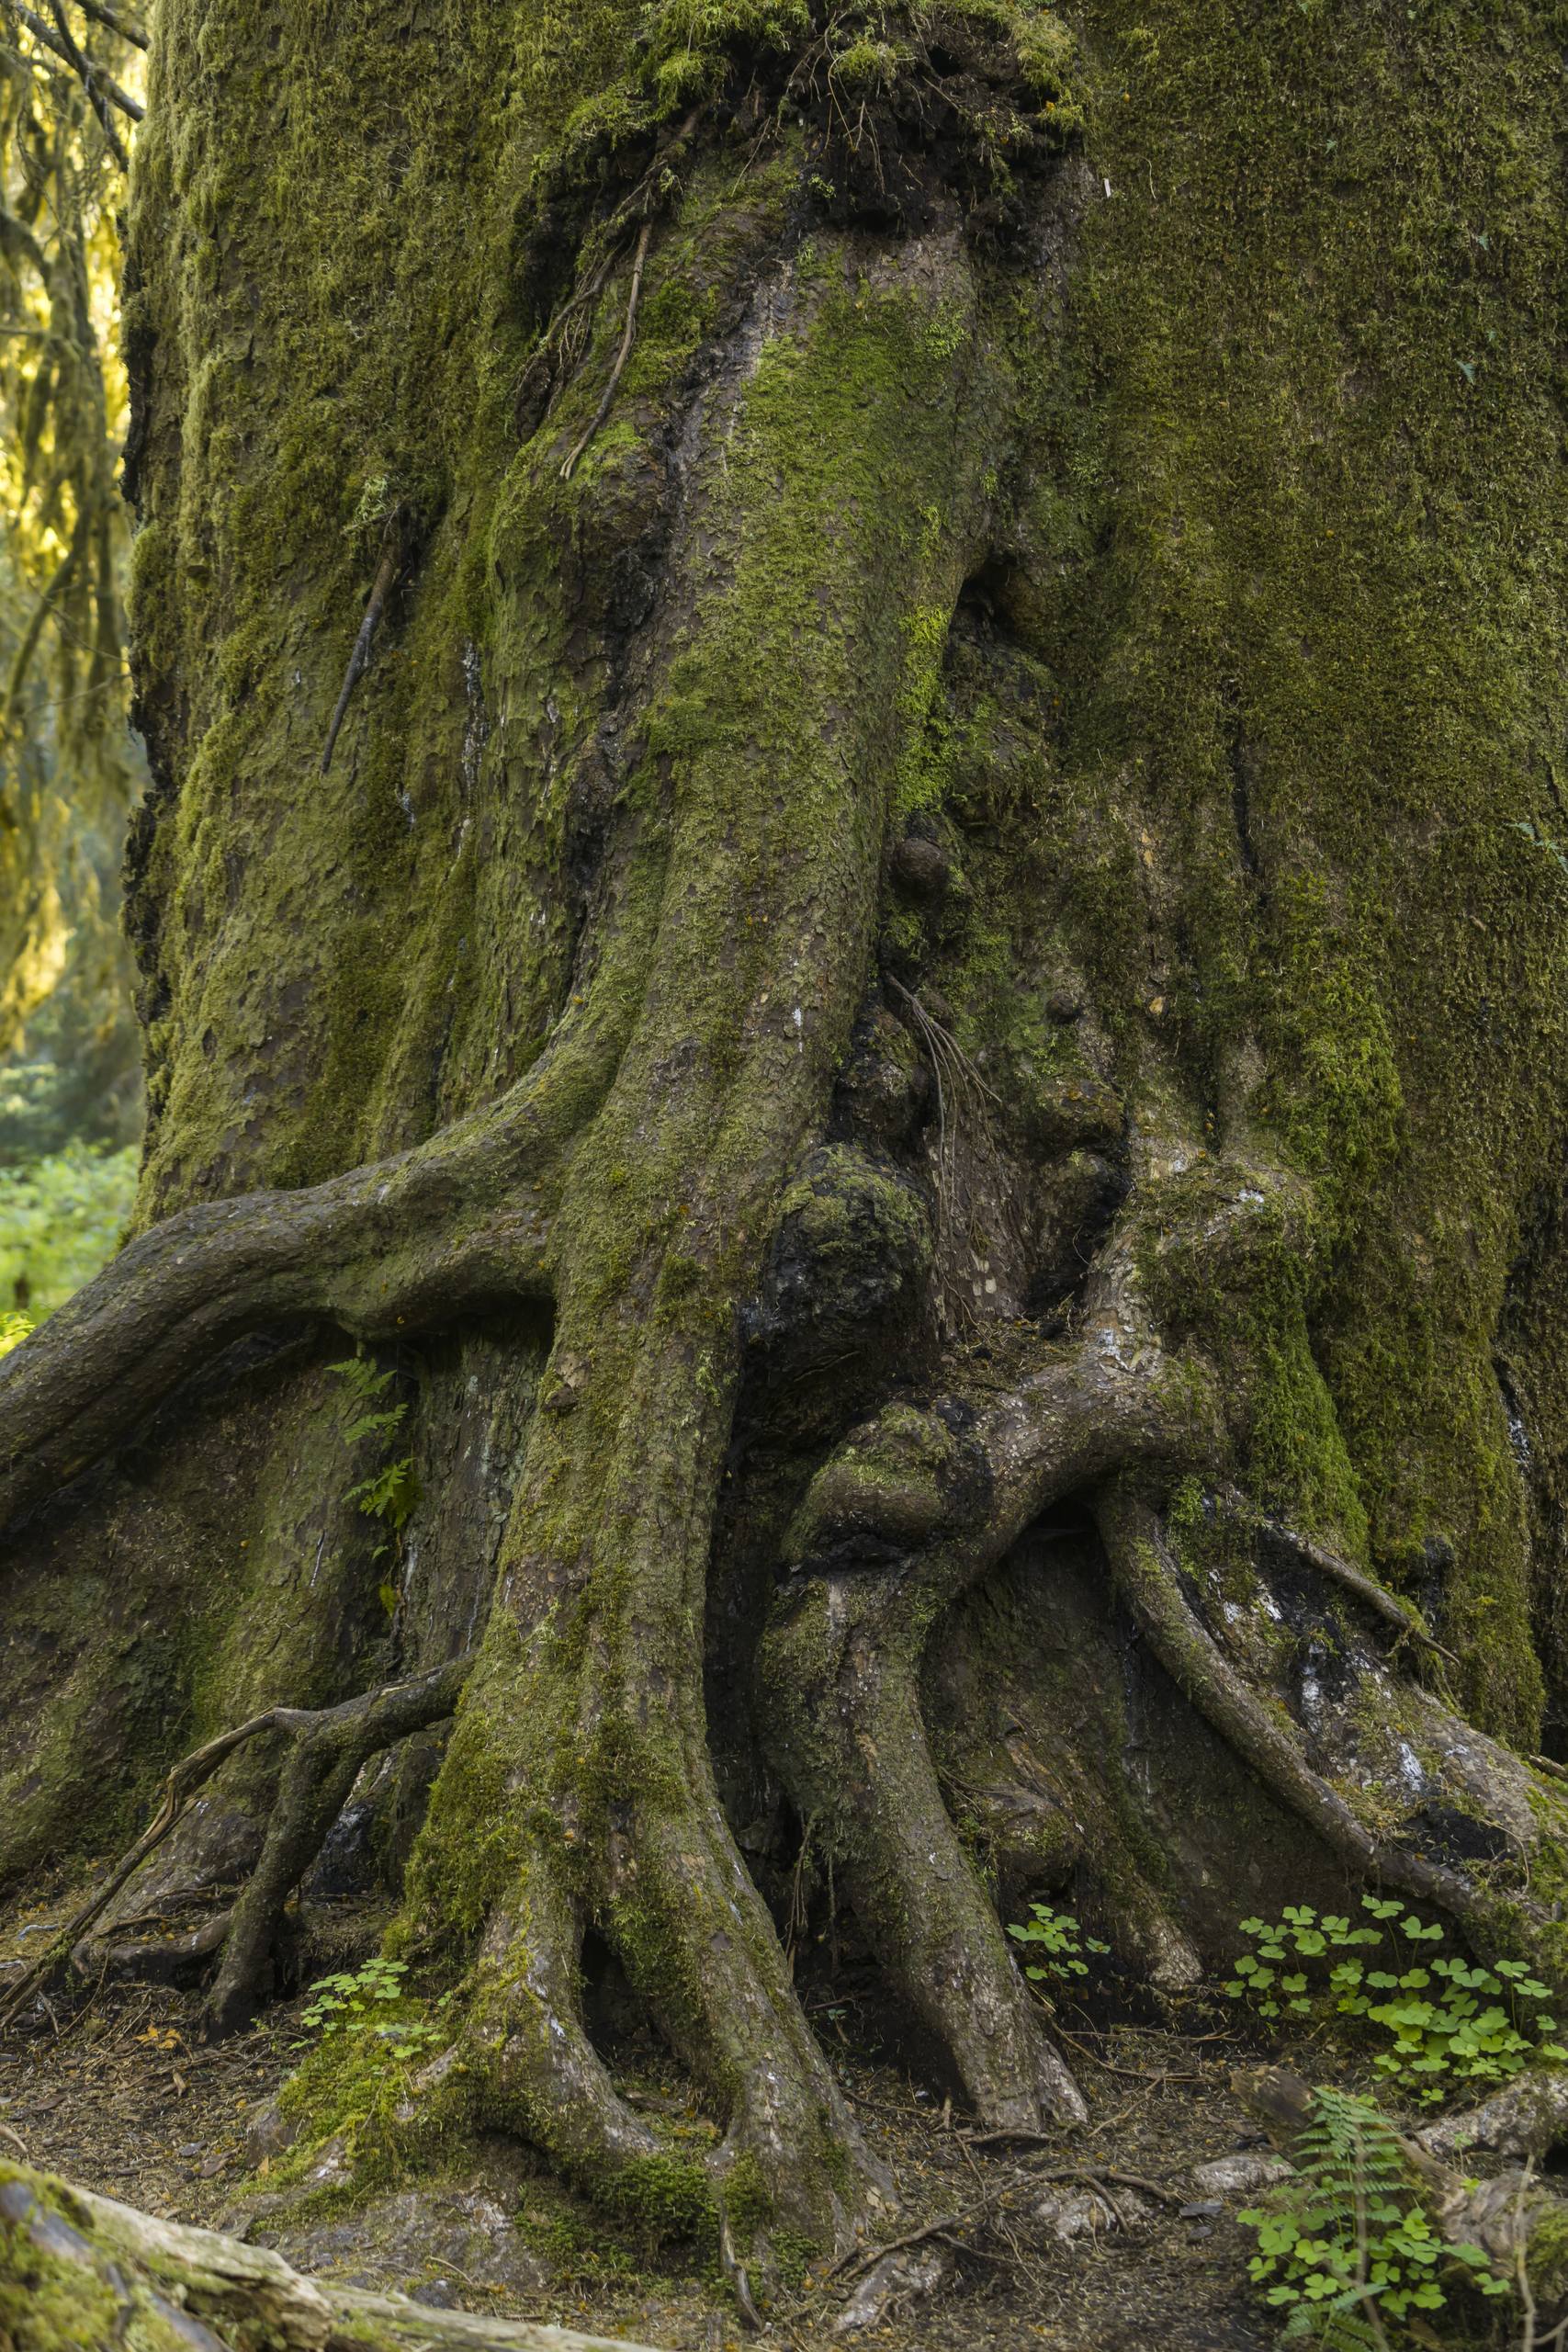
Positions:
(932, 930)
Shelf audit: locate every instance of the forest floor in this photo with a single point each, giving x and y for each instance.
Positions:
(119, 2095)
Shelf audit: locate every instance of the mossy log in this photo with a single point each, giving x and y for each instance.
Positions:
(81, 2270)
(919, 1013)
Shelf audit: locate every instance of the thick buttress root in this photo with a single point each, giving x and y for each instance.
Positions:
(525, 2061)
(632, 1179)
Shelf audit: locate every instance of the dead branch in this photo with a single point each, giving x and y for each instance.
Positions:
(995, 2201)
(92, 72)
(103, 92)
(115, 22)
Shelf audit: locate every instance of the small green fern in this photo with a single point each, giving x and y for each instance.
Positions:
(391, 1493)
(1346, 2250)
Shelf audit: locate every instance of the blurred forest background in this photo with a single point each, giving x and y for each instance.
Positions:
(70, 766)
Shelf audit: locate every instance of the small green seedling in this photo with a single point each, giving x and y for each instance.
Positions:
(1056, 1944)
(359, 2002)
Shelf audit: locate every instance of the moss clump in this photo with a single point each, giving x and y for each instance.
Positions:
(50, 2302)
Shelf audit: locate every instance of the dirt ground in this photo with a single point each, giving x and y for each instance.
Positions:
(119, 2095)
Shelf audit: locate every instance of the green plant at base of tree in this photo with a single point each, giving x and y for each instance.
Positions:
(358, 2001)
(1346, 2250)
(1058, 1944)
(1447, 2018)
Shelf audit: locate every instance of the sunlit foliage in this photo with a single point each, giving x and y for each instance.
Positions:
(69, 766)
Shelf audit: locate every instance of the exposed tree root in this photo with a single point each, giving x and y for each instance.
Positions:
(607, 401)
(523, 2061)
(331, 1745)
(359, 660)
(79, 2268)
(1403, 1615)
(328, 1752)
(1265, 1738)
(460, 1222)
(948, 1490)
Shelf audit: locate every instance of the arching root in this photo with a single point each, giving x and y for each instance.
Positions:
(1148, 1580)
(330, 1746)
(462, 1222)
(947, 1491)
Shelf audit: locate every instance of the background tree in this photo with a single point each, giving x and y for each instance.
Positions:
(69, 768)
(855, 725)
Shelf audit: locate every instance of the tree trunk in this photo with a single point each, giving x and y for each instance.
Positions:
(854, 846)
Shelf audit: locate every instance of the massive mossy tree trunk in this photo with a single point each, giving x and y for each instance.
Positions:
(920, 1004)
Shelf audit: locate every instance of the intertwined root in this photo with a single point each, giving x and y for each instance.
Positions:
(330, 1746)
(946, 1491)
(846, 1735)
(329, 1752)
(912, 1510)
(698, 1944)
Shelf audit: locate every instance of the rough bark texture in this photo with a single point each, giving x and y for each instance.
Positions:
(920, 1005)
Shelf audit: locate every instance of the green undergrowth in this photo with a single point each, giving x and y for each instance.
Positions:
(1347, 2252)
(1447, 2024)
(1387, 1990)
(60, 1219)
